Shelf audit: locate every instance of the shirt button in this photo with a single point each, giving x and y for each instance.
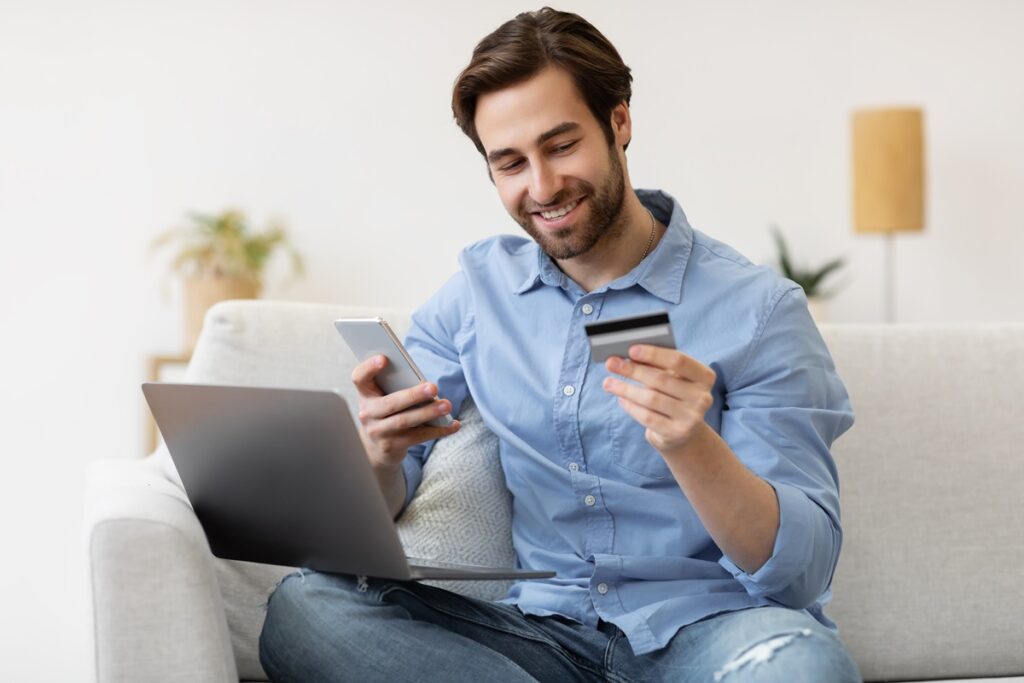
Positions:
(573, 467)
(568, 390)
(602, 588)
(590, 500)
(587, 309)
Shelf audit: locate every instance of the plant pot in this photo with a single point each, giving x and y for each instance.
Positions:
(204, 291)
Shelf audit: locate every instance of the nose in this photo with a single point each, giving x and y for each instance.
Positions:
(545, 184)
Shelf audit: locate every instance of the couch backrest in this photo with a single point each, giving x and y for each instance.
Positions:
(285, 344)
(929, 584)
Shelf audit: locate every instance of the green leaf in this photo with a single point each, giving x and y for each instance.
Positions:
(810, 280)
(222, 244)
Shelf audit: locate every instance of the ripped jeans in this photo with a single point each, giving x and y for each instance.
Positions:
(333, 627)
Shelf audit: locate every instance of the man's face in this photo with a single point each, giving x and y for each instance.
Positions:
(551, 162)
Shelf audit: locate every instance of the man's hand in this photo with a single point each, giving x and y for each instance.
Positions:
(674, 396)
(394, 422)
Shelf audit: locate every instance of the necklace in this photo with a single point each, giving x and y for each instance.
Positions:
(650, 240)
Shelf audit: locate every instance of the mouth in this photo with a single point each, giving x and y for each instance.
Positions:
(560, 216)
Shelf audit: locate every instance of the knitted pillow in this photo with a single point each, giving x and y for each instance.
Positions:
(462, 511)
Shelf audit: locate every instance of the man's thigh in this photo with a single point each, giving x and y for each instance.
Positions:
(332, 627)
(763, 644)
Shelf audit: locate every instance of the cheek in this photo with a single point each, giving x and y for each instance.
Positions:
(591, 165)
(511, 194)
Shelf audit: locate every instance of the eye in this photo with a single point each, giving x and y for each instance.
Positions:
(512, 166)
(566, 147)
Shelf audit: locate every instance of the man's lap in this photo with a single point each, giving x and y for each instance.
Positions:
(329, 620)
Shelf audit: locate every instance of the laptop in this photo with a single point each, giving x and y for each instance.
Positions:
(280, 476)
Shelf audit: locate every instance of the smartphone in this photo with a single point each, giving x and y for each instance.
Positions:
(372, 336)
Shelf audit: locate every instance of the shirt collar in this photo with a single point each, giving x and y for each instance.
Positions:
(660, 273)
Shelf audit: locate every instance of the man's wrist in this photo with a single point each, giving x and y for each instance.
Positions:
(391, 480)
(696, 446)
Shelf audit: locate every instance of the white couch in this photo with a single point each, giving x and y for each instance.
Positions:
(930, 584)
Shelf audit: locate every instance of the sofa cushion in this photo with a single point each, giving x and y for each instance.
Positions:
(932, 479)
(462, 510)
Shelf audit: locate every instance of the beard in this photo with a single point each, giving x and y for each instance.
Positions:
(605, 205)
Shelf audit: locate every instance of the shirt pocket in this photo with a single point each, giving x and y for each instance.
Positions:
(632, 453)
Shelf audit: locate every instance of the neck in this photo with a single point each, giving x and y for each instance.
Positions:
(619, 251)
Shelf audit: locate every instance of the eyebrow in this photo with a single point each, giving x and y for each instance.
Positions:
(565, 127)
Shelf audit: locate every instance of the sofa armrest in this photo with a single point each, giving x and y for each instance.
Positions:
(157, 611)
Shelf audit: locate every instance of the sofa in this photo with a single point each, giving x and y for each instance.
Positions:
(930, 585)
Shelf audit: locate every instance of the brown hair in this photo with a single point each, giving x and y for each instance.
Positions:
(522, 47)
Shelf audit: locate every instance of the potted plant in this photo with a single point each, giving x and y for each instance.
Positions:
(810, 279)
(219, 257)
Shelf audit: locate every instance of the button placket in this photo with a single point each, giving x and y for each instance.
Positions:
(571, 376)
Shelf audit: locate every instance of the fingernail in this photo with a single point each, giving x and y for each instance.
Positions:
(614, 363)
(379, 361)
(442, 407)
(428, 390)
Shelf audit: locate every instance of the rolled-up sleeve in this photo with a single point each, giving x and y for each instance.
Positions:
(438, 330)
(783, 410)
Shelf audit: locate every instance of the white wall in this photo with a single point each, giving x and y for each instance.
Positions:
(117, 117)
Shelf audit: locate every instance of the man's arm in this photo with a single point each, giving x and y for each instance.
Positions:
(766, 489)
(739, 509)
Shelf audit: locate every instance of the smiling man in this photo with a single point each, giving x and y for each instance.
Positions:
(687, 499)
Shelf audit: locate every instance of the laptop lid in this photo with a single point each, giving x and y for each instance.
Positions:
(278, 476)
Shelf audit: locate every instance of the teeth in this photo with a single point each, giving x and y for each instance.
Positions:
(552, 215)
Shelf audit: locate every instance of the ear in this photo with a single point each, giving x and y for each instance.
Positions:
(622, 125)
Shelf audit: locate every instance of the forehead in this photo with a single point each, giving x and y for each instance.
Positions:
(513, 117)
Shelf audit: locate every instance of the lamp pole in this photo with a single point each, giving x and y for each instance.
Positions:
(890, 277)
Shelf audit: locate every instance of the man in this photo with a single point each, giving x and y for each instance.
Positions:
(687, 499)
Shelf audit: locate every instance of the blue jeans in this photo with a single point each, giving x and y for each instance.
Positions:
(331, 627)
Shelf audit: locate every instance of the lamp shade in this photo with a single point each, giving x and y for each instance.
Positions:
(888, 170)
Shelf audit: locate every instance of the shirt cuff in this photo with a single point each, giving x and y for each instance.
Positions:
(794, 545)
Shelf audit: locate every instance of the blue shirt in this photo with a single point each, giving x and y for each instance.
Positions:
(592, 500)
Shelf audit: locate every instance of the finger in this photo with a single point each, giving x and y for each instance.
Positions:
(409, 418)
(674, 361)
(430, 432)
(648, 418)
(382, 406)
(649, 398)
(649, 376)
(410, 437)
(363, 375)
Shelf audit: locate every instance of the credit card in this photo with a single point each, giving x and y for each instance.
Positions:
(613, 337)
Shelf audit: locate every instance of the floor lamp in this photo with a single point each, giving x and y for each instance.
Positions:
(888, 180)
